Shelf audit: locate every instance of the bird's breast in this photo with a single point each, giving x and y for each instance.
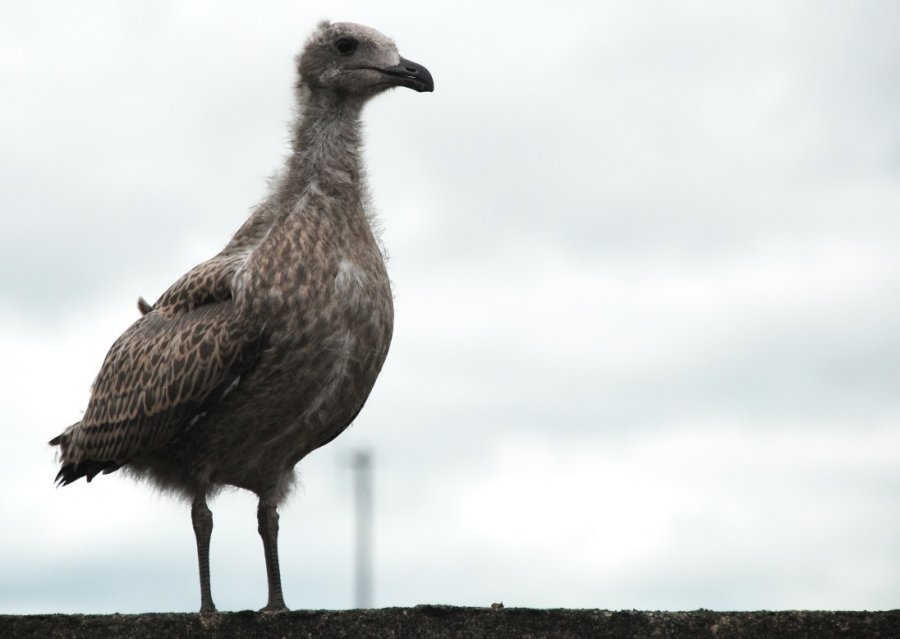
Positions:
(352, 286)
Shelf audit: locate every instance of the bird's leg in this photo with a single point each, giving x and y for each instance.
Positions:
(201, 517)
(267, 515)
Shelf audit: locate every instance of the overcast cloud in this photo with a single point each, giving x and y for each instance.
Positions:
(646, 265)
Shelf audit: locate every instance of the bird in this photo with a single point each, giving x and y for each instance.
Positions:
(268, 350)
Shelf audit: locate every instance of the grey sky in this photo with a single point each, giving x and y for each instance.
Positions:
(646, 266)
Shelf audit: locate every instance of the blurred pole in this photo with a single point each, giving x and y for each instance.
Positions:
(362, 490)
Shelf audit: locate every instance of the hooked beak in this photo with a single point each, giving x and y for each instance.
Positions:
(411, 75)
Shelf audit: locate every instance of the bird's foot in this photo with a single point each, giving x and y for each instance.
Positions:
(274, 606)
(208, 609)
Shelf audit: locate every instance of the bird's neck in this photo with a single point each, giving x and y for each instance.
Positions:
(327, 141)
(325, 159)
(316, 214)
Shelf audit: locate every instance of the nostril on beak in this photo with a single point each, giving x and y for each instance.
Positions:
(412, 70)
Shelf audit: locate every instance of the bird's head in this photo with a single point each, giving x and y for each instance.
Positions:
(356, 61)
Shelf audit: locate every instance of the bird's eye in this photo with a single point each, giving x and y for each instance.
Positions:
(346, 46)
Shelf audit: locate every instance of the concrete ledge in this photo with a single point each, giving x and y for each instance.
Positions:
(428, 622)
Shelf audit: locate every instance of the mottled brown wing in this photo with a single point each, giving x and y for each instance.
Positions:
(206, 283)
(157, 376)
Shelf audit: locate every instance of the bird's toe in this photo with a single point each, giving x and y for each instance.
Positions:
(274, 607)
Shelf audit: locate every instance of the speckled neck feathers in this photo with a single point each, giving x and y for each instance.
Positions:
(318, 207)
(326, 147)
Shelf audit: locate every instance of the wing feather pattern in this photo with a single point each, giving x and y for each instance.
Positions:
(156, 377)
(170, 365)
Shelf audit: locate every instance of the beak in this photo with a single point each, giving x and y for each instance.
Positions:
(411, 75)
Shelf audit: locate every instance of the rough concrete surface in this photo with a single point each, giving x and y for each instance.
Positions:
(427, 622)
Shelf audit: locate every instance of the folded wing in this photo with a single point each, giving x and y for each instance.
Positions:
(157, 377)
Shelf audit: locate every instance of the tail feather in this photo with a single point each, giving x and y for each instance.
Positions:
(88, 469)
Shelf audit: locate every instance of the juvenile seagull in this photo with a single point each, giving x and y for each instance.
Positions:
(268, 350)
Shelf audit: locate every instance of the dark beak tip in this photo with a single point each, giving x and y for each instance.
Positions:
(418, 77)
(427, 84)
